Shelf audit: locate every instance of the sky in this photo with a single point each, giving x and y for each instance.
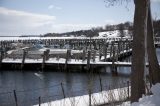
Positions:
(35, 17)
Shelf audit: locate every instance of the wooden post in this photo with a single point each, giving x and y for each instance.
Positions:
(78, 57)
(94, 55)
(114, 68)
(119, 49)
(90, 44)
(120, 46)
(44, 58)
(15, 97)
(100, 81)
(23, 58)
(105, 51)
(117, 54)
(123, 48)
(127, 48)
(1, 58)
(47, 54)
(100, 55)
(39, 101)
(68, 54)
(111, 49)
(130, 44)
(88, 60)
(84, 55)
(63, 90)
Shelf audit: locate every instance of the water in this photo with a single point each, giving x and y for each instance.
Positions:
(29, 85)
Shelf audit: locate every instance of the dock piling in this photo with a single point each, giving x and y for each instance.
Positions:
(1, 58)
(88, 59)
(114, 68)
(68, 55)
(23, 58)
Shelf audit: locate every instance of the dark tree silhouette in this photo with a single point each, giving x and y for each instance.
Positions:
(154, 68)
(121, 30)
(138, 49)
(143, 34)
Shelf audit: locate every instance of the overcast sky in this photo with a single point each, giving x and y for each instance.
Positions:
(34, 17)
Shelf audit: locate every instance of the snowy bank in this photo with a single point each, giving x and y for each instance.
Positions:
(109, 96)
(152, 100)
(103, 97)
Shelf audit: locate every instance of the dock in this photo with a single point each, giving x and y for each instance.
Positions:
(64, 53)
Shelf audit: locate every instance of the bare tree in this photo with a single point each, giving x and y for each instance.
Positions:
(121, 30)
(138, 49)
(142, 34)
(154, 68)
(113, 2)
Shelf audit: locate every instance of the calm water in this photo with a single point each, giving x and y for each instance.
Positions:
(30, 85)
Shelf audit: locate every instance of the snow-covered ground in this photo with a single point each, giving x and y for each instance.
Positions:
(106, 34)
(60, 50)
(113, 34)
(152, 100)
(41, 38)
(108, 96)
(96, 98)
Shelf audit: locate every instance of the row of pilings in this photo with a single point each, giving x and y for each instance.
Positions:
(105, 49)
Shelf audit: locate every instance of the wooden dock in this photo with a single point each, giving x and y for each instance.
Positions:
(85, 53)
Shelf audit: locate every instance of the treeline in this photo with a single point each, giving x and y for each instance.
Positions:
(91, 32)
(95, 31)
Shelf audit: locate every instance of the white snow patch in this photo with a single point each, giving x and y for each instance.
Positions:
(112, 34)
(10, 51)
(96, 98)
(152, 100)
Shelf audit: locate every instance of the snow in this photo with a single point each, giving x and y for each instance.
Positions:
(108, 96)
(96, 98)
(156, 89)
(151, 100)
(109, 34)
(54, 51)
(11, 60)
(10, 51)
(112, 34)
(63, 60)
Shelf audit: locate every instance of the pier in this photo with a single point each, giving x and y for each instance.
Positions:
(66, 53)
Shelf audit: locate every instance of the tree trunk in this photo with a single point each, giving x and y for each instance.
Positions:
(154, 69)
(138, 53)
